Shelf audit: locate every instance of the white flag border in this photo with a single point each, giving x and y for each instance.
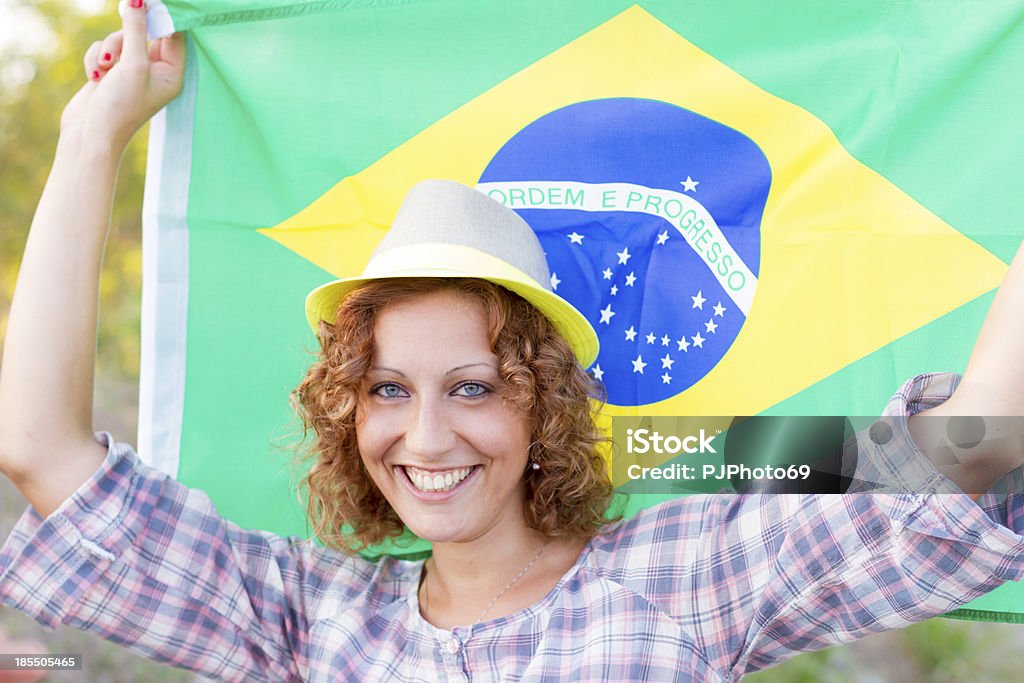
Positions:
(165, 272)
(159, 22)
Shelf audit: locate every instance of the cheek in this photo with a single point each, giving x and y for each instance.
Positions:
(369, 437)
(372, 455)
(516, 434)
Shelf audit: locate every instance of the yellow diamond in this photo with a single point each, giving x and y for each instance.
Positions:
(849, 262)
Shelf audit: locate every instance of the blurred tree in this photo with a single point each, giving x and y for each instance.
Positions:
(34, 86)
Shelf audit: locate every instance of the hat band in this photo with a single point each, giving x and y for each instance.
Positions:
(458, 260)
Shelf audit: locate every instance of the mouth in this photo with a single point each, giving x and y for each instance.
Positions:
(433, 482)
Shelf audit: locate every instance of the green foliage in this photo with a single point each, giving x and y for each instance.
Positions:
(29, 124)
(934, 651)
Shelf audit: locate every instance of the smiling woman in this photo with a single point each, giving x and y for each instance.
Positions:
(499, 387)
(449, 397)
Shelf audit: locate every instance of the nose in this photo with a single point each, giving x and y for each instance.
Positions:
(429, 434)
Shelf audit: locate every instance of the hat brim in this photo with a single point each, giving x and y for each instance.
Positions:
(322, 303)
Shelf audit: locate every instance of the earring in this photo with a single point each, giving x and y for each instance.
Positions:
(535, 465)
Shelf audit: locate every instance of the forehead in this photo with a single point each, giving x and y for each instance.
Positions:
(440, 326)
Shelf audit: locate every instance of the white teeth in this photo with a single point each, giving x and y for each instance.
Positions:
(427, 481)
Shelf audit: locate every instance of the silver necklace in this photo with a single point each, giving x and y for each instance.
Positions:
(526, 568)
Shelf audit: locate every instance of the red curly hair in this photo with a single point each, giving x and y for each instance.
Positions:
(567, 497)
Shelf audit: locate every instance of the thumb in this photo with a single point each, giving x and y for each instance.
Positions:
(134, 20)
(169, 50)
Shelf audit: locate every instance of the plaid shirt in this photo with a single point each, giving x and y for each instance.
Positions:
(701, 588)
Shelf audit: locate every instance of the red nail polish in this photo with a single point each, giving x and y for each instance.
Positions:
(136, 3)
(106, 56)
(96, 75)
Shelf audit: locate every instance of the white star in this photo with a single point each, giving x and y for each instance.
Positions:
(630, 279)
(710, 326)
(683, 345)
(650, 338)
(663, 237)
(698, 341)
(689, 185)
(555, 281)
(698, 301)
(606, 314)
(666, 378)
(606, 273)
(614, 290)
(631, 333)
(665, 340)
(639, 364)
(575, 237)
(623, 255)
(667, 362)
(719, 309)
(598, 373)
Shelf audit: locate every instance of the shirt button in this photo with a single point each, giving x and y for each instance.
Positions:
(453, 645)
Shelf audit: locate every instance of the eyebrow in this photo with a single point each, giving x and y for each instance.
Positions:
(471, 365)
(455, 369)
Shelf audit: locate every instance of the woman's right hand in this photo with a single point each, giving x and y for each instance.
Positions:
(127, 82)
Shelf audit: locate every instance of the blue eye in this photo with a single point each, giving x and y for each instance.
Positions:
(472, 389)
(388, 390)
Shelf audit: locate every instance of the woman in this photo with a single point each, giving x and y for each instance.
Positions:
(459, 408)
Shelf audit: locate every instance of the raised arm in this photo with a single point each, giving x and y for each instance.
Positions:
(46, 377)
(992, 389)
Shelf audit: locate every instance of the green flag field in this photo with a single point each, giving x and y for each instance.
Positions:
(783, 208)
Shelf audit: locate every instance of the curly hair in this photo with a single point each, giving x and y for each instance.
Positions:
(567, 497)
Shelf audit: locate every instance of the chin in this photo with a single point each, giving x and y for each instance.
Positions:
(439, 534)
(440, 538)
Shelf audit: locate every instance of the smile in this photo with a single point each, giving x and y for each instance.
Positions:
(436, 481)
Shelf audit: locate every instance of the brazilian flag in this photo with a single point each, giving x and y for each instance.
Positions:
(784, 207)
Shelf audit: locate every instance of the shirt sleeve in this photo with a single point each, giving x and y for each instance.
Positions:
(138, 558)
(780, 574)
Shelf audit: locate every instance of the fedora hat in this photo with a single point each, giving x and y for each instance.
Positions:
(445, 229)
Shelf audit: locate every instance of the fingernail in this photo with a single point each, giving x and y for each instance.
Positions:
(106, 56)
(95, 75)
(135, 3)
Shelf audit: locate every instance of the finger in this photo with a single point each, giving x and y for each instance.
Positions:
(134, 51)
(171, 50)
(91, 61)
(168, 67)
(110, 51)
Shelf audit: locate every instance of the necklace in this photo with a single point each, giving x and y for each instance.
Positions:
(514, 581)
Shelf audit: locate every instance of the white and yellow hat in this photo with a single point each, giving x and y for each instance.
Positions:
(445, 229)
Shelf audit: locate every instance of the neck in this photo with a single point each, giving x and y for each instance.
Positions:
(462, 579)
(483, 565)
